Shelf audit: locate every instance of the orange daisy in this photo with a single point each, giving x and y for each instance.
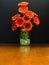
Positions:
(28, 26)
(14, 27)
(36, 20)
(23, 3)
(19, 22)
(23, 9)
(15, 17)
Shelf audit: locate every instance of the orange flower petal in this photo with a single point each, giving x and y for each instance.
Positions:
(14, 27)
(36, 20)
(23, 10)
(35, 14)
(31, 14)
(15, 17)
(28, 26)
(23, 3)
(19, 22)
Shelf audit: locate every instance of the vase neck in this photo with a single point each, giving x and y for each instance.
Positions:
(23, 29)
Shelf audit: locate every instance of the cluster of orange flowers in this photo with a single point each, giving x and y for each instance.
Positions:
(25, 20)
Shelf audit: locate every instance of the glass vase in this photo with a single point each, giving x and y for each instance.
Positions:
(24, 37)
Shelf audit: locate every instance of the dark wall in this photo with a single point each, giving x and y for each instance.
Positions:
(39, 34)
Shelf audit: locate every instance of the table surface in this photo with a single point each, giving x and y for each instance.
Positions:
(24, 55)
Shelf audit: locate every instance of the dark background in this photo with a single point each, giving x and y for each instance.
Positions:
(39, 34)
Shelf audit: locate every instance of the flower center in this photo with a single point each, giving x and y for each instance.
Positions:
(26, 18)
(27, 25)
(20, 21)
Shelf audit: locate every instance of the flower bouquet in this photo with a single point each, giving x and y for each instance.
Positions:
(23, 20)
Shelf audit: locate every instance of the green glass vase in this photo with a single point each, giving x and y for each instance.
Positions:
(24, 37)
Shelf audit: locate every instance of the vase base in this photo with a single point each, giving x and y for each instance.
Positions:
(24, 41)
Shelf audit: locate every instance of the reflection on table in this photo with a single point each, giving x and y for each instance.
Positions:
(24, 55)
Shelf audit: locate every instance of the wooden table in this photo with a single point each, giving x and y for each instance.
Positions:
(24, 55)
